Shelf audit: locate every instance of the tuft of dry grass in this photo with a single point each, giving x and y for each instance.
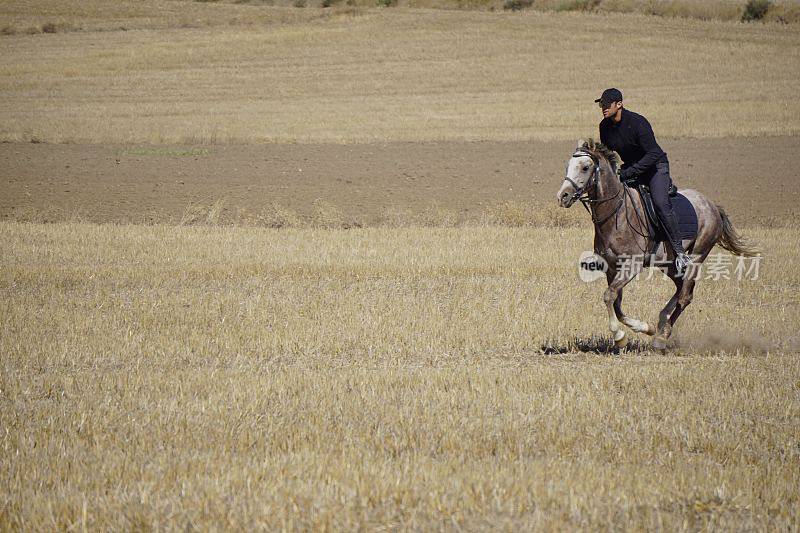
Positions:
(204, 213)
(326, 215)
(536, 214)
(392, 75)
(407, 378)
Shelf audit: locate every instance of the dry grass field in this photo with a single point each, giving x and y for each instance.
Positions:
(443, 368)
(388, 75)
(215, 378)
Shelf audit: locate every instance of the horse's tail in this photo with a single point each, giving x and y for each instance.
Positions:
(731, 240)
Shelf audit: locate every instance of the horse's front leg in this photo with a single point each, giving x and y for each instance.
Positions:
(638, 326)
(617, 279)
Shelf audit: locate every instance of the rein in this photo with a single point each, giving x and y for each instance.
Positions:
(582, 194)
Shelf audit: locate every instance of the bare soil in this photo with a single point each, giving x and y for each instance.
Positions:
(756, 179)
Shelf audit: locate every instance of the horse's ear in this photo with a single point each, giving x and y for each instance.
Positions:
(582, 143)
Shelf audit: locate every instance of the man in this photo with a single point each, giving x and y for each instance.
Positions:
(631, 136)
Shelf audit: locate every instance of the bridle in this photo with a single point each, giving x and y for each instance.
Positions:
(582, 193)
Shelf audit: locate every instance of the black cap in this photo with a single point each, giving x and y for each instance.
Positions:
(610, 95)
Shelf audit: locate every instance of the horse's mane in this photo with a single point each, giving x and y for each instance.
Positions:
(601, 149)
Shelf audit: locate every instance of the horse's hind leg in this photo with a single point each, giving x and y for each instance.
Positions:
(639, 326)
(660, 340)
(685, 285)
(684, 299)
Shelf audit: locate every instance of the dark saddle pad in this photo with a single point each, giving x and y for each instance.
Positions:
(684, 212)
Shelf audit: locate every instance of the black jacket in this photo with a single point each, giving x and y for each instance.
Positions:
(633, 139)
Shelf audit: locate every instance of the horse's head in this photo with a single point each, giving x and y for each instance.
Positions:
(583, 170)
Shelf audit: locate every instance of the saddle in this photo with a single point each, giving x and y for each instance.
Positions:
(684, 212)
(652, 218)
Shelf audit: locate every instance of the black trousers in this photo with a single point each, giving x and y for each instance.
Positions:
(659, 182)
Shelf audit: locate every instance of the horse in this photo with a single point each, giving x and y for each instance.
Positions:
(622, 233)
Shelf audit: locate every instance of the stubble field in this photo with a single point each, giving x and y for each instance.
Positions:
(403, 378)
(390, 75)
(300, 269)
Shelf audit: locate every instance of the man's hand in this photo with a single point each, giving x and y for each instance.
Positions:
(628, 175)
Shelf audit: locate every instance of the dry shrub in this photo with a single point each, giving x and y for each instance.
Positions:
(512, 213)
(440, 217)
(348, 9)
(203, 213)
(56, 27)
(397, 217)
(245, 218)
(326, 215)
(517, 5)
(277, 216)
(755, 10)
(578, 5)
(215, 211)
(191, 215)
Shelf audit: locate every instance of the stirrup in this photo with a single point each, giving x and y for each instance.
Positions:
(682, 263)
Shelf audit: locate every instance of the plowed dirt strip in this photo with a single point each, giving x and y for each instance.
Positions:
(756, 179)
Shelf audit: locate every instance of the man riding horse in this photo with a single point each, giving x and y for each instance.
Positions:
(631, 136)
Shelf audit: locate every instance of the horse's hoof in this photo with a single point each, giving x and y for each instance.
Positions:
(659, 343)
(651, 330)
(620, 344)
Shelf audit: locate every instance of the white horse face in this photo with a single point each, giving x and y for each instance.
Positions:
(579, 170)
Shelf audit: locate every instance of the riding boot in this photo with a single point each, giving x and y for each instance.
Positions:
(682, 259)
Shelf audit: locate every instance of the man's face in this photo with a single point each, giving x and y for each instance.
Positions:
(610, 108)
